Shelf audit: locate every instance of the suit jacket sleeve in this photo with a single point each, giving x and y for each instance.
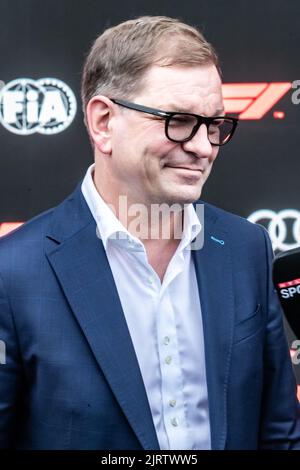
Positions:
(280, 423)
(10, 374)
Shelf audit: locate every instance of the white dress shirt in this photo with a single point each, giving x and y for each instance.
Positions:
(165, 324)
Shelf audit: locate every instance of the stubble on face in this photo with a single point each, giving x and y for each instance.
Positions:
(177, 172)
(144, 165)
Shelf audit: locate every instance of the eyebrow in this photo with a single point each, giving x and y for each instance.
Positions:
(174, 108)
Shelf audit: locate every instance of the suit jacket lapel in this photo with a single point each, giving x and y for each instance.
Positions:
(214, 275)
(80, 263)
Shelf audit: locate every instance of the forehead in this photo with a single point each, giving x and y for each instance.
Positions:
(193, 89)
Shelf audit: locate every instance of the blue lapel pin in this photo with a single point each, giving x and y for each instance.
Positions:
(217, 240)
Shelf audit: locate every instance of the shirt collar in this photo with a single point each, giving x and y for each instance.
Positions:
(191, 226)
(109, 226)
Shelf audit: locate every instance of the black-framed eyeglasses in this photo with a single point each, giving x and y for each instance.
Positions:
(181, 127)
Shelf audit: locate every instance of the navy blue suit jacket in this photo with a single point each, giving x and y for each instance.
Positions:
(71, 378)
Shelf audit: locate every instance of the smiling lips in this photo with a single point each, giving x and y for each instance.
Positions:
(185, 168)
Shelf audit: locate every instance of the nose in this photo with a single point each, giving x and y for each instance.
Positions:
(199, 144)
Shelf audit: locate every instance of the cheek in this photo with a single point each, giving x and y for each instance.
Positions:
(154, 156)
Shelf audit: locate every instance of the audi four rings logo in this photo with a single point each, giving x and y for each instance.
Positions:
(277, 226)
(47, 106)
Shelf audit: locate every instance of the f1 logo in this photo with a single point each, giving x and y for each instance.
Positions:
(252, 100)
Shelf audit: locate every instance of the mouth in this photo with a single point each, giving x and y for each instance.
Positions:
(185, 168)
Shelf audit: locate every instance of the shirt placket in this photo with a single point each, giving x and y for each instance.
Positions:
(173, 400)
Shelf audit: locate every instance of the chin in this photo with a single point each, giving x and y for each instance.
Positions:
(184, 196)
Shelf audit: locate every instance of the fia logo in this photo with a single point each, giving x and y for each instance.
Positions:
(47, 106)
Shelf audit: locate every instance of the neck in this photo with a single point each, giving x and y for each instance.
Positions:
(152, 223)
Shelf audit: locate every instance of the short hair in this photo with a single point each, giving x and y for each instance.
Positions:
(120, 57)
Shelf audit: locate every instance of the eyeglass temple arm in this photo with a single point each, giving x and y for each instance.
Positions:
(139, 107)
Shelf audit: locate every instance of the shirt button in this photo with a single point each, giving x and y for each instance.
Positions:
(151, 280)
(174, 422)
(168, 359)
(172, 403)
(166, 340)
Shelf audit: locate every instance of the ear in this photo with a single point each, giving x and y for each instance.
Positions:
(98, 114)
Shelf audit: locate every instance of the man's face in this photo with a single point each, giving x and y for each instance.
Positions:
(145, 164)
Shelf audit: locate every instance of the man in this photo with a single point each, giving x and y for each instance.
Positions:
(117, 336)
